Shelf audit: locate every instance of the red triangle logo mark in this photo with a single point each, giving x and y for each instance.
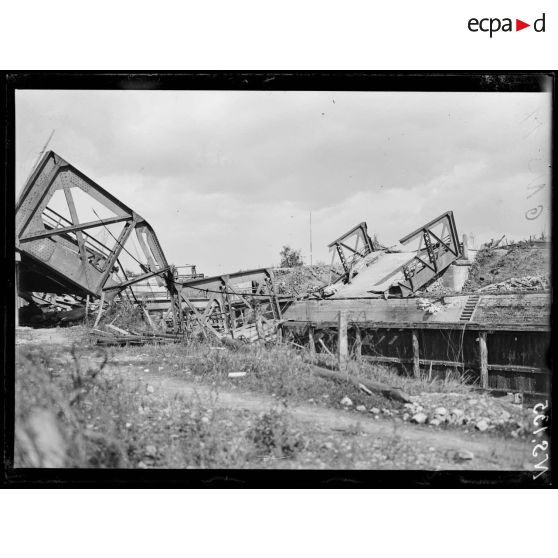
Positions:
(519, 25)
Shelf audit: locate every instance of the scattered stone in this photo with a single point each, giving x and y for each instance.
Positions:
(406, 416)
(128, 425)
(237, 374)
(463, 455)
(150, 389)
(435, 422)
(505, 416)
(346, 402)
(440, 411)
(375, 410)
(456, 416)
(481, 425)
(419, 418)
(150, 451)
(142, 465)
(361, 408)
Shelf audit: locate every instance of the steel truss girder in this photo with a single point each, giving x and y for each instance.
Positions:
(239, 305)
(61, 248)
(349, 255)
(442, 250)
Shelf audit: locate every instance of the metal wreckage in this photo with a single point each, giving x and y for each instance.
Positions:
(81, 251)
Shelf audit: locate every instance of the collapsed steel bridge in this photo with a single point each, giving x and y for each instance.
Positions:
(73, 237)
(65, 251)
(415, 261)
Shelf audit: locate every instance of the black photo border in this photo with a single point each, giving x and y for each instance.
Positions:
(443, 81)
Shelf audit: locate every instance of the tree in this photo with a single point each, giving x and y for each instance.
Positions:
(290, 257)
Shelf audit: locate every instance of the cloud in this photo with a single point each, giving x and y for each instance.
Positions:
(226, 178)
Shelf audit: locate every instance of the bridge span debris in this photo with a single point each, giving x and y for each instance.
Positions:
(80, 249)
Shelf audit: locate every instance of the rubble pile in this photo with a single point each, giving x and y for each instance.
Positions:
(303, 280)
(50, 311)
(517, 262)
(468, 411)
(437, 288)
(528, 283)
(479, 412)
(428, 306)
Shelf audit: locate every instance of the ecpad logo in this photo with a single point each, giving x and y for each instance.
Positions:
(493, 25)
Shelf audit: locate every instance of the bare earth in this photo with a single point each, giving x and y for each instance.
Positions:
(419, 447)
(490, 452)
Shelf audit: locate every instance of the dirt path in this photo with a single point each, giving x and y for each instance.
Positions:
(490, 451)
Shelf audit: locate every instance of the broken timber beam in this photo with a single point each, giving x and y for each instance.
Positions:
(388, 391)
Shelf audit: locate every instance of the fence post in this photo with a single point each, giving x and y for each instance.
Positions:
(342, 343)
(483, 355)
(259, 324)
(358, 343)
(279, 335)
(100, 311)
(311, 341)
(416, 355)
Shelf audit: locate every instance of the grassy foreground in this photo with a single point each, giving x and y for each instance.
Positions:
(85, 407)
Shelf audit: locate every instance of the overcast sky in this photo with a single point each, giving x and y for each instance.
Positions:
(227, 178)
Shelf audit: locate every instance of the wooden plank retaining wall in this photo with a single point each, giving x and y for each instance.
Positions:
(500, 357)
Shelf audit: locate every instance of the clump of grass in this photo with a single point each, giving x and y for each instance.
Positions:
(272, 435)
(126, 315)
(453, 381)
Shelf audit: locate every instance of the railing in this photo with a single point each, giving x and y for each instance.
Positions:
(98, 251)
(438, 247)
(349, 255)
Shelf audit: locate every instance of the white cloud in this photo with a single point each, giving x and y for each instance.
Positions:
(227, 178)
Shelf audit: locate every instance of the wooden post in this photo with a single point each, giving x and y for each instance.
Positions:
(150, 321)
(342, 343)
(358, 343)
(259, 327)
(86, 307)
(279, 335)
(311, 341)
(416, 355)
(483, 354)
(100, 311)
